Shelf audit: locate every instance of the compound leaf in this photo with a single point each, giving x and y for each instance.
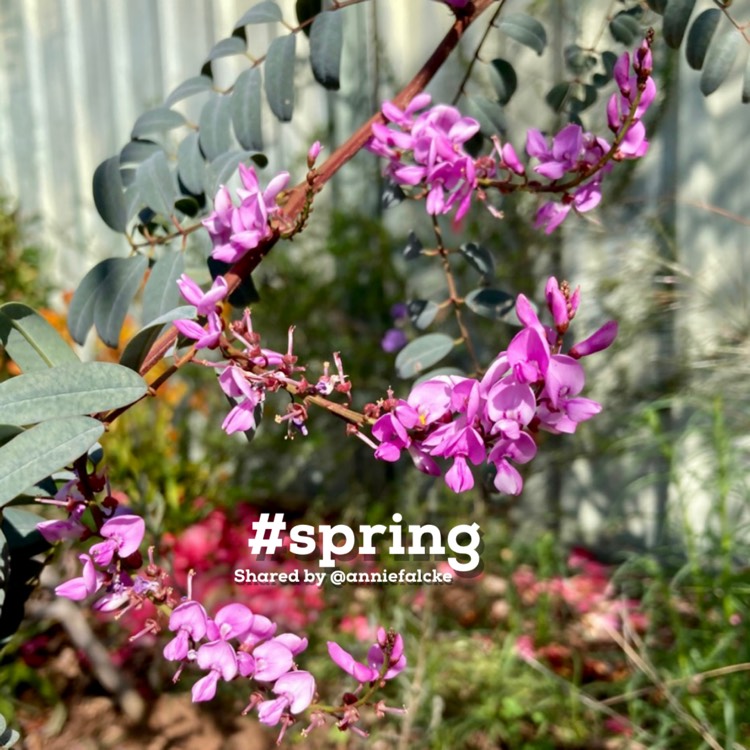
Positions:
(326, 41)
(245, 109)
(109, 197)
(524, 29)
(422, 353)
(280, 76)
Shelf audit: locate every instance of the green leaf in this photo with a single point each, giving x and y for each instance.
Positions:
(658, 6)
(156, 121)
(422, 312)
(134, 152)
(504, 79)
(161, 293)
(578, 60)
(265, 12)
(280, 76)
(624, 28)
(215, 137)
(245, 109)
(109, 197)
(524, 29)
(306, 10)
(115, 295)
(587, 97)
(233, 45)
(156, 184)
(700, 35)
(720, 57)
(557, 96)
(676, 17)
(138, 347)
(413, 247)
(326, 41)
(490, 303)
(422, 353)
(488, 113)
(479, 257)
(194, 85)
(191, 168)
(30, 340)
(81, 310)
(68, 391)
(19, 528)
(42, 450)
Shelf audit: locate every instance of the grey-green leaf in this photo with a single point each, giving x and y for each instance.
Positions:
(479, 257)
(190, 165)
(156, 121)
(134, 152)
(488, 113)
(109, 197)
(114, 295)
(68, 391)
(30, 340)
(624, 28)
(194, 85)
(490, 303)
(233, 45)
(280, 76)
(524, 29)
(413, 247)
(326, 41)
(221, 169)
(138, 347)
(215, 137)
(42, 450)
(265, 12)
(156, 184)
(245, 109)
(161, 293)
(422, 353)
(720, 57)
(19, 528)
(700, 35)
(504, 79)
(746, 83)
(676, 17)
(422, 312)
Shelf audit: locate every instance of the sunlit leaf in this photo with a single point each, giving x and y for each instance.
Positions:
(42, 450)
(156, 184)
(214, 127)
(700, 35)
(195, 85)
(265, 12)
(280, 76)
(30, 340)
(161, 294)
(524, 29)
(720, 57)
(676, 17)
(68, 391)
(115, 294)
(156, 121)
(479, 257)
(108, 194)
(422, 353)
(490, 303)
(326, 41)
(422, 312)
(245, 109)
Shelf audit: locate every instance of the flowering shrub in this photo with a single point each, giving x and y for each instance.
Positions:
(489, 415)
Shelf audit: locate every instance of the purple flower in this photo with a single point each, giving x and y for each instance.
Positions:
(295, 691)
(124, 535)
(397, 659)
(598, 341)
(231, 621)
(67, 528)
(79, 588)
(393, 340)
(272, 659)
(190, 622)
(350, 665)
(205, 302)
(218, 657)
(204, 339)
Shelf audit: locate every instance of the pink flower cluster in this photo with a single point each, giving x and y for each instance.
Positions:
(252, 371)
(427, 150)
(528, 387)
(256, 653)
(235, 230)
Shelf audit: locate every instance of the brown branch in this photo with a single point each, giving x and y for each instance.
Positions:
(296, 196)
